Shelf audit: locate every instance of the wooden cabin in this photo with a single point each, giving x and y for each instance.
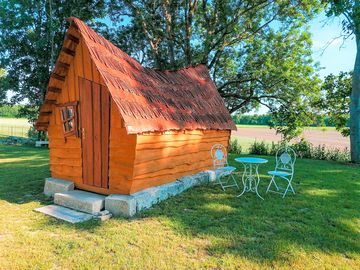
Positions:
(116, 127)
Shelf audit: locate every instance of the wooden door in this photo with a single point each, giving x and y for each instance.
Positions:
(95, 131)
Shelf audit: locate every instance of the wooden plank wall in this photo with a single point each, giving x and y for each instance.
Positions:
(136, 162)
(65, 155)
(122, 154)
(163, 157)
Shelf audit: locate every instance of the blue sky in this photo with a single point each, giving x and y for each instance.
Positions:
(331, 51)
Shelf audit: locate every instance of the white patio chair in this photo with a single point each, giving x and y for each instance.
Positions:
(284, 169)
(220, 163)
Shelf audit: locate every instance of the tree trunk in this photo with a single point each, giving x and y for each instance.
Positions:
(355, 107)
(169, 31)
(189, 13)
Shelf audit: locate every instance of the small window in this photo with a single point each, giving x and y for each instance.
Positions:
(68, 112)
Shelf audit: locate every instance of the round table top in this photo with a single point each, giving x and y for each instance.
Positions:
(253, 160)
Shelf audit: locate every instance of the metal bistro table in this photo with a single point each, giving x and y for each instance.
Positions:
(250, 176)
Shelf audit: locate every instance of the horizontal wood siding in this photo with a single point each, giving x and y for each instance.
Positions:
(122, 155)
(164, 157)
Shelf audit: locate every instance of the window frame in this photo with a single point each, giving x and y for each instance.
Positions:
(73, 118)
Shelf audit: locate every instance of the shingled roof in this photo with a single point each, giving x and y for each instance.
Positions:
(153, 100)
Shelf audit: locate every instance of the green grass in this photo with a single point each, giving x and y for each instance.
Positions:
(14, 127)
(306, 128)
(203, 228)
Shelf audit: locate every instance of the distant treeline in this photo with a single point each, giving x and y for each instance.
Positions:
(9, 111)
(265, 119)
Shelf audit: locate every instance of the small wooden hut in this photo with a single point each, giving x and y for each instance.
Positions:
(116, 127)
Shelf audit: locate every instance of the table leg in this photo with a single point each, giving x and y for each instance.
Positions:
(250, 179)
(258, 181)
(243, 179)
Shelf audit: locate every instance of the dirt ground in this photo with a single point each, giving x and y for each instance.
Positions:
(329, 138)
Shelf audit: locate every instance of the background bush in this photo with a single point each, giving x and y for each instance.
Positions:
(9, 111)
(235, 147)
(303, 149)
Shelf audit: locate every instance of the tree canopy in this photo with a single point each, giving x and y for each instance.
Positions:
(258, 52)
(31, 34)
(335, 102)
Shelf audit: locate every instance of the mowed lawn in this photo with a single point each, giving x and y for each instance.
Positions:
(203, 228)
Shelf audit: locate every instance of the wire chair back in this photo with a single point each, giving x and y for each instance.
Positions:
(285, 159)
(219, 155)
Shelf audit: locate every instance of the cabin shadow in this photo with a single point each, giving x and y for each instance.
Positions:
(268, 230)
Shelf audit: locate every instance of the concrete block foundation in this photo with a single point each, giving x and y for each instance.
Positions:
(54, 185)
(129, 205)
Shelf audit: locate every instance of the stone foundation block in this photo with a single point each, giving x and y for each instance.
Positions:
(80, 200)
(129, 205)
(54, 185)
(121, 205)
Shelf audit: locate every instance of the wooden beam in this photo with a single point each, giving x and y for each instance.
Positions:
(58, 77)
(54, 89)
(41, 128)
(45, 113)
(68, 51)
(42, 123)
(62, 65)
(72, 38)
(50, 101)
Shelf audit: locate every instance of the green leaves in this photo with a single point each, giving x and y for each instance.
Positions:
(31, 34)
(336, 100)
(258, 52)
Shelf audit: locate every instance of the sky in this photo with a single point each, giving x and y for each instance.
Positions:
(329, 49)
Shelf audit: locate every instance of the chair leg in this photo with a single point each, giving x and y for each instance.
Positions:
(236, 183)
(221, 183)
(289, 187)
(272, 181)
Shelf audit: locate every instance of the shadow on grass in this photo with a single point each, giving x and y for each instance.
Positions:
(320, 217)
(22, 174)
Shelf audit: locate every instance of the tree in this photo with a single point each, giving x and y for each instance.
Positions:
(350, 11)
(336, 100)
(31, 34)
(2, 93)
(258, 52)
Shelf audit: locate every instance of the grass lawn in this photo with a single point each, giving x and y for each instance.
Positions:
(202, 228)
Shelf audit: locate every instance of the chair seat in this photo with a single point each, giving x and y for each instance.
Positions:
(279, 173)
(224, 171)
(227, 169)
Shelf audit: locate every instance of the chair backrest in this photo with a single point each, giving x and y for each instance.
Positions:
(285, 159)
(219, 155)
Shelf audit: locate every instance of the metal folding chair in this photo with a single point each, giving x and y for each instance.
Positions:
(284, 169)
(225, 172)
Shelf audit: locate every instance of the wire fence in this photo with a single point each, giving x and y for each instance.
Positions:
(18, 131)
